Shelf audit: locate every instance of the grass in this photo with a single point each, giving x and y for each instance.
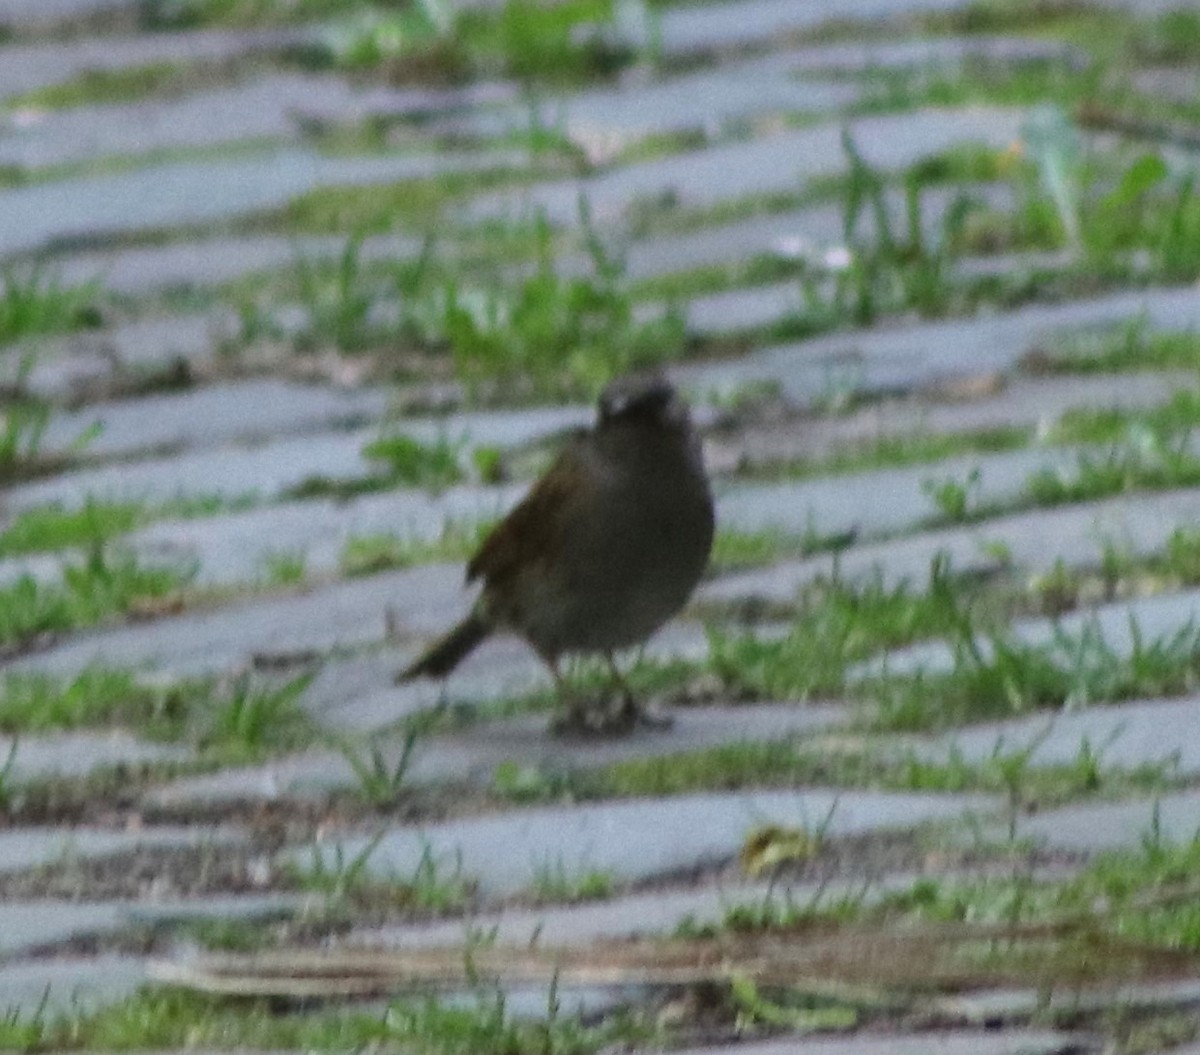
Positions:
(129, 84)
(1125, 451)
(1132, 346)
(253, 715)
(284, 568)
(100, 589)
(553, 883)
(232, 719)
(835, 626)
(342, 300)
(1146, 458)
(1123, 219)
(381, 782)
(550, 335)
(898, 451)
(401, 460)
(47, 528)
(986, 672)
(346, 880)
(863, 765)
(535, 333)
(157, 1019)
(23, 425)
(414, 204)
(34, 302)
(97, 523)
(567, 43)
(406, 460)
(370, 554)
(1145, 895)
(733, 549)
(887, 272)
(994, 675)
(96, 697)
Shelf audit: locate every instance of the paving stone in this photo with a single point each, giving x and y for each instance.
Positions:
(276, 107)
(693, 29)
(270, 108)
(1003, 1005)
(228, 907)
(39, 567)
(359, 694)
(241, 412)
(745, 308)
(235, 547)
(878, 502)
(632, 840)
(193, 193)
(230, 473)
(605, 121)
(1124, 736)
(473, 755)
(1179, 84)
(26, 13)
(76, 754)
(26, 67)
(629, 915)
(1033, 541)
(1020, 402)
(66, 368)
(75, 985)
(757, 307)
(343, 615)
(703, 28)
(201, 262)
(270, 469)
(1015, 268)
(905, 357)
(881, 501)
(1125, 825)
(950, 1042)
(886, 53)
(26, 848)
(29, 925)
(796, 234)
(1120, 626)
(772, 163)
(232, 546)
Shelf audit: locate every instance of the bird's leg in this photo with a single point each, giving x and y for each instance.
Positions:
(631, 712)
(573, 718)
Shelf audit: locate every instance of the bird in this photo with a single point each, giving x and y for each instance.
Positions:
(605, 547)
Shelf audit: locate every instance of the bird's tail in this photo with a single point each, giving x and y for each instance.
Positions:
(448, 651)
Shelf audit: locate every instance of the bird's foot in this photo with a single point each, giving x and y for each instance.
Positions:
(653, 718)
(632, 715)
(579, 721)
(584, 721)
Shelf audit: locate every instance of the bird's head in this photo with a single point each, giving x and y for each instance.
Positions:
(647, 398)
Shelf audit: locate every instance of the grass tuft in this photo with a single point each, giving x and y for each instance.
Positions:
(100, 589)
(34, 302)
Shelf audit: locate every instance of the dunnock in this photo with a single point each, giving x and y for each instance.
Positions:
(605, 548)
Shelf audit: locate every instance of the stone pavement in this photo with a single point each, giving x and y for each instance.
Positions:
(228, 250)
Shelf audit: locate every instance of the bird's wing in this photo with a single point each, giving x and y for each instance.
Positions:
(531, 530)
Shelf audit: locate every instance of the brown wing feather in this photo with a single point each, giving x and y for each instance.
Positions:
(530, 530)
